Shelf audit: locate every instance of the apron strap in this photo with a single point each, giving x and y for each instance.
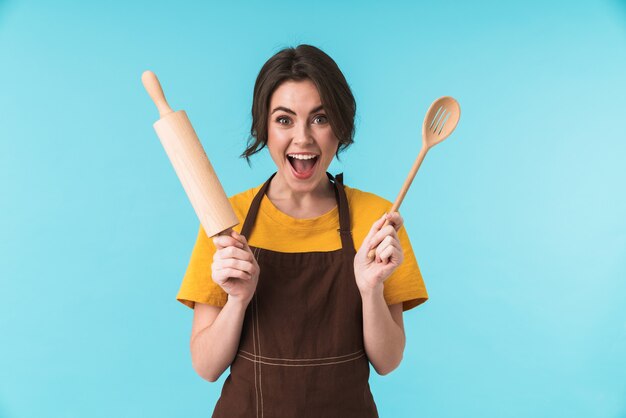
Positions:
(344, 230)
(254, 209)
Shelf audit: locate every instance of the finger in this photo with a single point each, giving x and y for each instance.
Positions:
(233, 252)
(386, 254)
(222, 241)
(381, 248)
(374, 229)
(395, 219)
(390, 253)
(234, 264)
(236, 274)
(367, 249)
(220, 276)
(392, 242)
(386, 231)
(242, 239)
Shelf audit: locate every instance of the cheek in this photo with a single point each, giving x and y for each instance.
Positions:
(276, 143)
(325, 137)
(330, 144)
(277, 135)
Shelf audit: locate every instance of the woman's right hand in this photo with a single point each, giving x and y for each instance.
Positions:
(234, 267)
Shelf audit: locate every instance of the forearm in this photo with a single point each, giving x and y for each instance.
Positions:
(384, 339)
(214, 348)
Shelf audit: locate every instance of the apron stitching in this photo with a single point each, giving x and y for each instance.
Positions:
(256, 302)
(304, 359)
(256, 390)
(301, 365)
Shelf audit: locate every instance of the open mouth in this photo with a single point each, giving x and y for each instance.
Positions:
(303, 165)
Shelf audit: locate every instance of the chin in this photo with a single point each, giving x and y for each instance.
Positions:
(302, 185)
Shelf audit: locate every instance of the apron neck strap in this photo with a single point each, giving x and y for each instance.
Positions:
(344, 230)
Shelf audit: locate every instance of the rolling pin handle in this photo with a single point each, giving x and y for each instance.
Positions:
(153, 87)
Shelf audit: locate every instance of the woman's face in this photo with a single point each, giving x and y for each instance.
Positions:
(300, 139)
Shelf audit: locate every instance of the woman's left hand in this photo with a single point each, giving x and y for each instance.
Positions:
(370, 274)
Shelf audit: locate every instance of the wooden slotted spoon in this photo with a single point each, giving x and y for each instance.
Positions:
(441, 119)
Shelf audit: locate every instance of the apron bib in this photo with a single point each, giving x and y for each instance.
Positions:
(301, 352)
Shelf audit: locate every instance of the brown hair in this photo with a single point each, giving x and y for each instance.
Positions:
(300, 63)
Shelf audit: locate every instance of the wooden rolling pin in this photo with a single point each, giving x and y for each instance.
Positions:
(191, 163)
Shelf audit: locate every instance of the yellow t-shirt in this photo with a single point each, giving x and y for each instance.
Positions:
(277, 231)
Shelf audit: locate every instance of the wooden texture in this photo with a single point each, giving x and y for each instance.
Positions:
(191, 164)
(441, 119)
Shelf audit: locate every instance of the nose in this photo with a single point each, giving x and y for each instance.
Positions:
(302, 134)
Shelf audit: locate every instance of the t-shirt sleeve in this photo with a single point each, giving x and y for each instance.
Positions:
(197, 284)
(405, 285)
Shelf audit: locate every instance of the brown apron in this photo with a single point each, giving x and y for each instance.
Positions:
(301, 352)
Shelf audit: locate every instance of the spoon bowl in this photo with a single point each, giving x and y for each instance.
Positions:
(441, 119)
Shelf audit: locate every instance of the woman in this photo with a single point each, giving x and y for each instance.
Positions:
(286, 300)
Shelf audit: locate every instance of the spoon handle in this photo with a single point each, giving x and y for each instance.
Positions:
(403, 191)
(409, 180)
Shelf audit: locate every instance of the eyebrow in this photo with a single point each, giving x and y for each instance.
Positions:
(286, 109)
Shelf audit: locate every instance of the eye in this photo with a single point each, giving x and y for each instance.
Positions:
(319, 119)
(283, 120)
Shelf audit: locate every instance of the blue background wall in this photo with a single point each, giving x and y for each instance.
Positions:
(518, 220)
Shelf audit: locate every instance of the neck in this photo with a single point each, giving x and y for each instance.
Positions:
(281, 191)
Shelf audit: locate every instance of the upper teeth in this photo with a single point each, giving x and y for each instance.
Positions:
(302, 156)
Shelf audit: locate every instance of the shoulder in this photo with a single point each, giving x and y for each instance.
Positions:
(359, 199)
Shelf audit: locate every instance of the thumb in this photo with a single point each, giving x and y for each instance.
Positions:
(242, 239)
